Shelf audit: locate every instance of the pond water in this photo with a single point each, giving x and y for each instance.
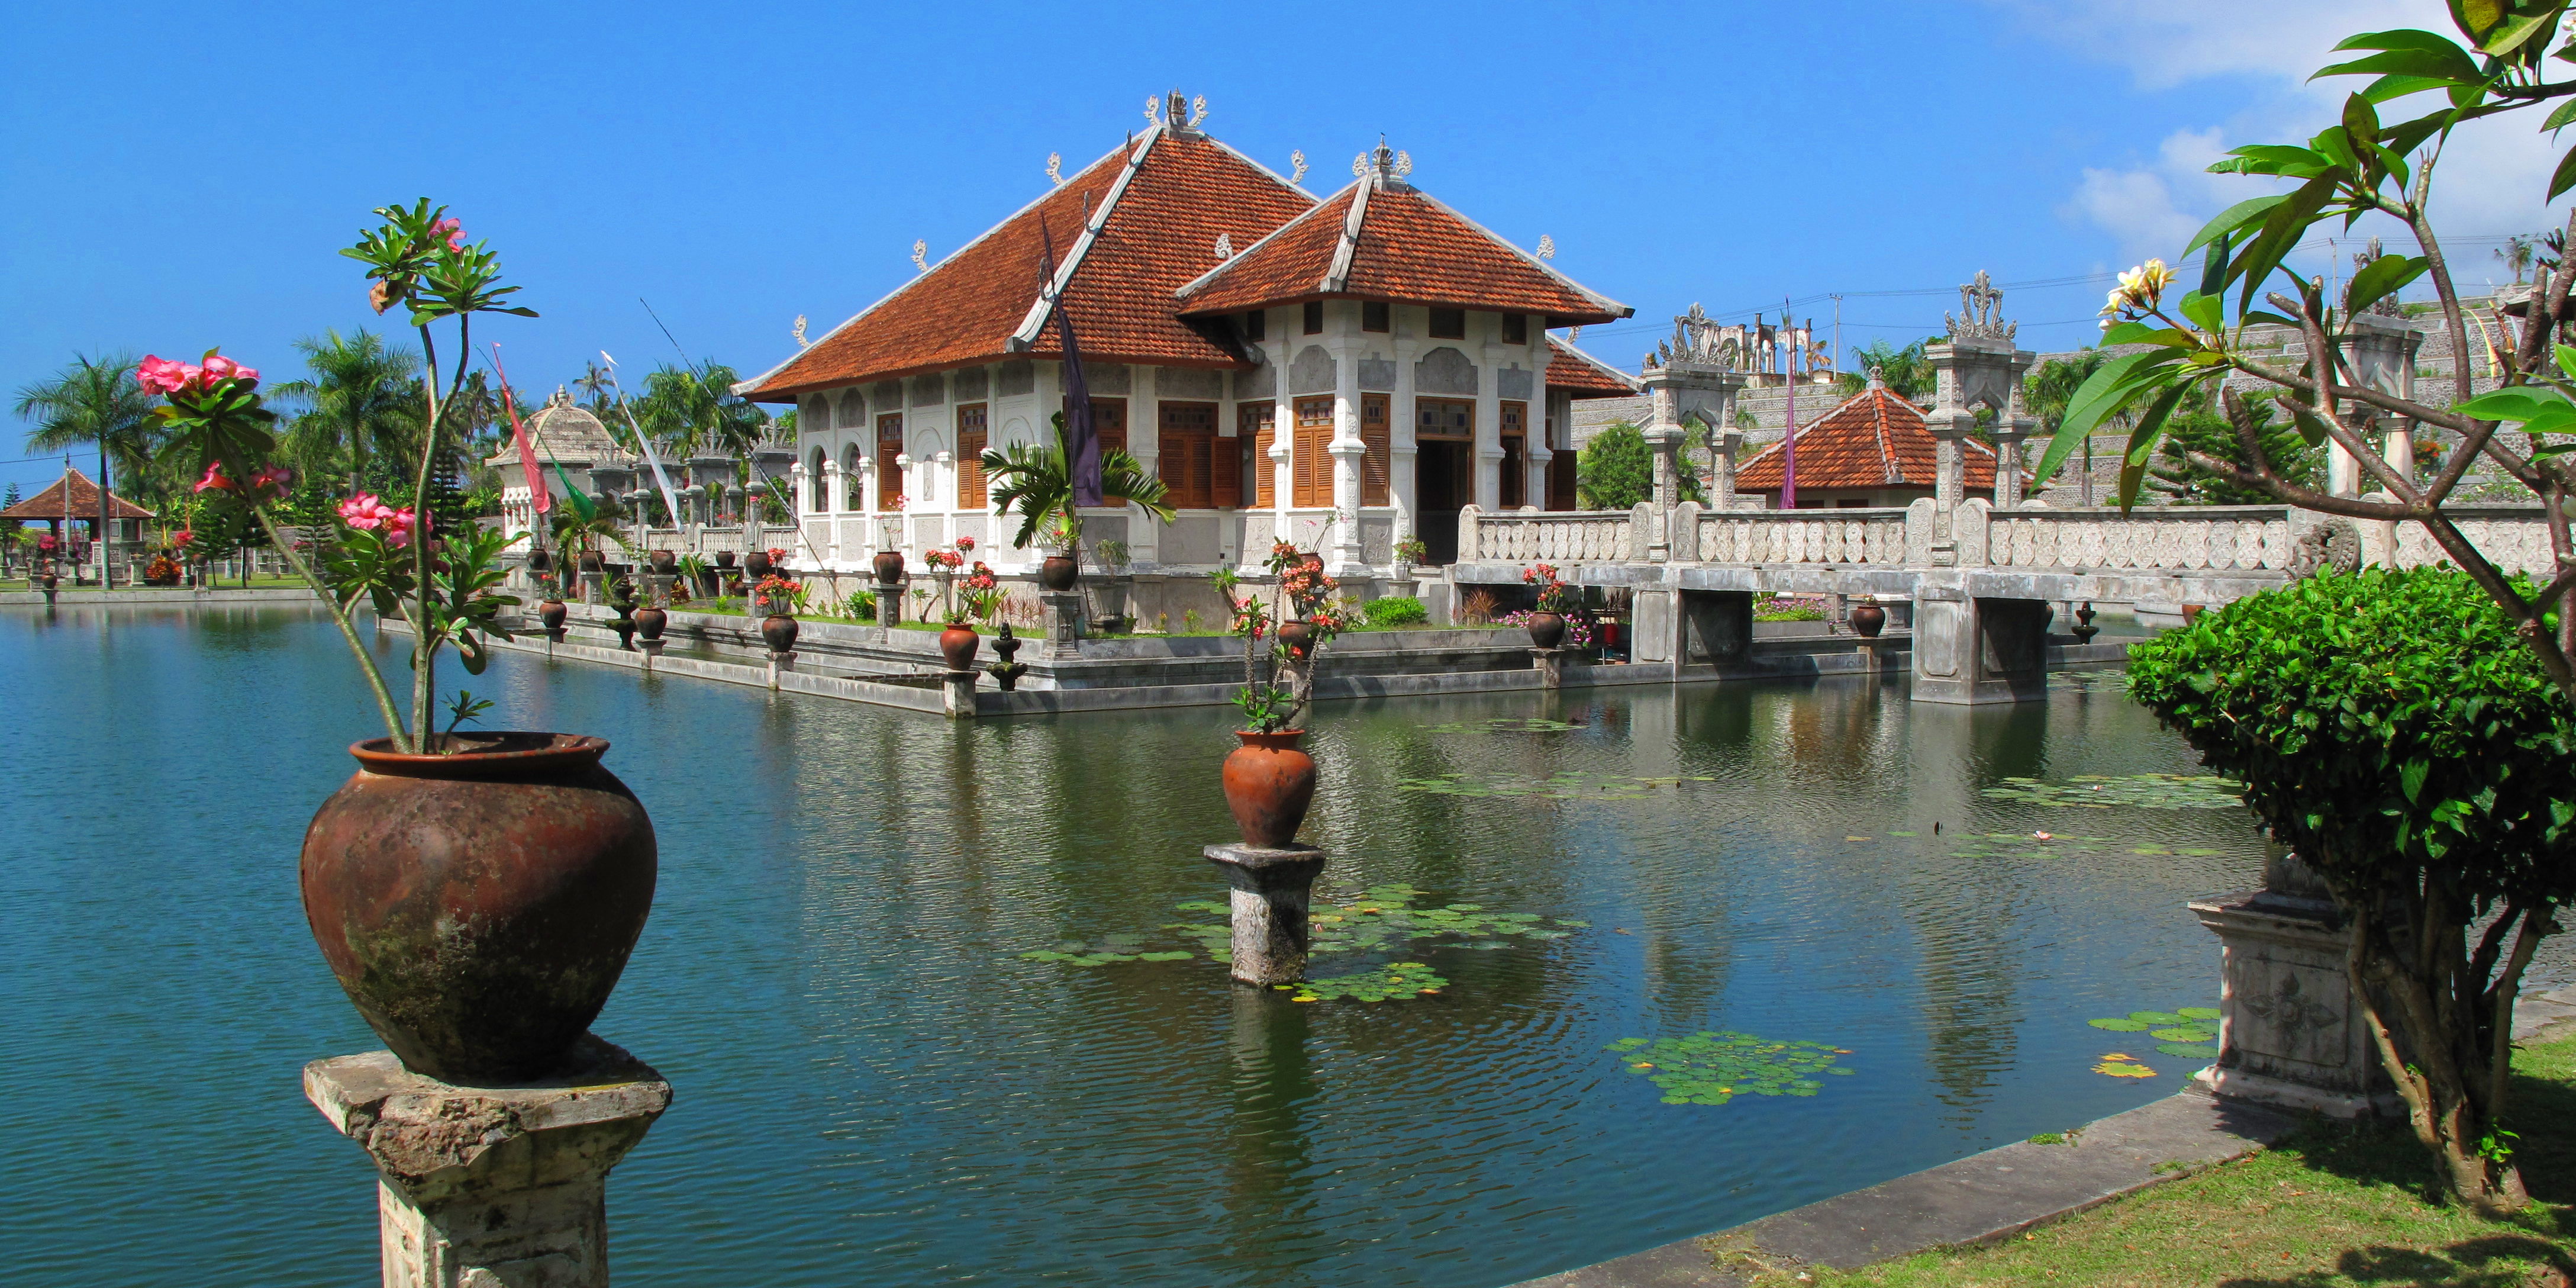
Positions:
(876, 1087)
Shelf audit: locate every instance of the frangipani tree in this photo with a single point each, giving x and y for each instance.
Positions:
(2420, 829)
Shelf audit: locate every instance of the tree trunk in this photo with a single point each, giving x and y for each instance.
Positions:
(2432, 1047)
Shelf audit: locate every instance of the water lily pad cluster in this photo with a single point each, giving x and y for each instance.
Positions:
(1105, 951)
(2189, 1033)
(2103, 791)
(1388, 916)
(1713, 1067)
(1565, 785)
(1396, 982)
(1506, 724)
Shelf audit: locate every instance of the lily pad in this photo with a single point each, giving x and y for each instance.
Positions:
(1398, 982)
(2145, 791)
(1505, 724)
(2189, 1050)
(1565, 785)
(2198, 1012)
(1715, 1066)
(2183, 1034)
(2120, 1024)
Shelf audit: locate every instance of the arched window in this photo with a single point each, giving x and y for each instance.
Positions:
(853, 497)
(817, 501)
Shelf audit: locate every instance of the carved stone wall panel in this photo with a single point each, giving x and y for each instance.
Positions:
(1312, 373)
(1188, 382)
(1107, 378)
(1377, 375)
(1445, 371)
(930, 390)
(1510, 382)
(969, 383)
(1019, 376)
(1259, 383)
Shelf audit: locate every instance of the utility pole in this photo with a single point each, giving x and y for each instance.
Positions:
(1838, 331)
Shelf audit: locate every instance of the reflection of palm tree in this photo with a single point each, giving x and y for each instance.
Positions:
(360, 399)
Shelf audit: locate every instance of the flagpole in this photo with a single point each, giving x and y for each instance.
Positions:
(670, 501)
(1789, 437)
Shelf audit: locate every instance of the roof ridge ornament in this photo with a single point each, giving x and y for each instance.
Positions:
(1386, 166)
(1224, 246)
(1547, 249)
(1296, 167)
(1979, 301)
(1698, 340)
(1055, 166)
(920, 250)
(799, 331)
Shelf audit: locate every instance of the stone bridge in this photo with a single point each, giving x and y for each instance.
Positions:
(1980, 584)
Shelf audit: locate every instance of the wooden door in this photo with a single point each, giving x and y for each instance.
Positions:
(889, 446)
(1377, 453)
(971, 436)
(1310, 467)
(1254, 429)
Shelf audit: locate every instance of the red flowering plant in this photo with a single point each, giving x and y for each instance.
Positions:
(1304, 594)
(1554, 595)
(947, 560)
(777, 596)
(444, 586)
(979, 596)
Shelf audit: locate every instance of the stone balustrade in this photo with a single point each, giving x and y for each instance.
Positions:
(2246, 537)
(1857, 536)
(1556, 536)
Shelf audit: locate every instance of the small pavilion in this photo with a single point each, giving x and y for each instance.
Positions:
(1876, 449)
(74, 497)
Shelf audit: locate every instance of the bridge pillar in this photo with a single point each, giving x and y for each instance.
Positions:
(1714, 628)
(1972, 650)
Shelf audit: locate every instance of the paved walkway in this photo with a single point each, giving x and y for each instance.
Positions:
(1988, 1196)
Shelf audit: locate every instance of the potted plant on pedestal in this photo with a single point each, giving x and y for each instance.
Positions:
(1867, 618)
(1408, 552)
(1269, 779)
(979, 598)
(476, 895)
(1546, 621)
(944, 564)
(774, 598)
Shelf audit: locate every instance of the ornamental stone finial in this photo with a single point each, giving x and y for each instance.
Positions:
(1055, 167)
(1297, 167)
(1979, 301)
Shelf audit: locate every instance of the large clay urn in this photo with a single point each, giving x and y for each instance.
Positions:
(779, 631)
(724, 559)
(591, 562)
(1867, 620)
(958, 645)
(1298, 635)
(479, 907)
(664, 563)
(540, 561)
(1546, 630)
(1058, 573)
(550, 614)
(889, 567)
(649, 623)
(1269, 783)
(757, 563)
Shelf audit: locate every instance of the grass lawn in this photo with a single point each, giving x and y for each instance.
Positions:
(2334, 1205)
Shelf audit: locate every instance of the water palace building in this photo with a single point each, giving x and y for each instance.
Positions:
(1340, 373)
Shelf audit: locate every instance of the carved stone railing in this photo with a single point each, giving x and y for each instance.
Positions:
(2248, 537)
(1871, 536)
(2513, 537)
(1558, 537)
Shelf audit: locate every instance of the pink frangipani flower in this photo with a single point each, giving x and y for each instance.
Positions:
(214, 481)
(219, 368)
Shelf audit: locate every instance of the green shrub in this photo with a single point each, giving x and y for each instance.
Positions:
(2392, 730)
(1394, 611)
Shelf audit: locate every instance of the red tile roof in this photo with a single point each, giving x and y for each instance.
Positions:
(1875, 439)
(1589, 377)
(1158, 232)
(48, 504)
(1409, 248)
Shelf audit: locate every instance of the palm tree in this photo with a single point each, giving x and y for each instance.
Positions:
(594, 384)
(1032, 481)
(694, 409)
(1907, 371)
(95, 400)
(2049, 391)
(362, 400)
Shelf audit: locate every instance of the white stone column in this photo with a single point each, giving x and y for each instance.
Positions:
(1404, 450)
(1145, 443)
(1283, 432)
(1343, 329)
(1482, 341)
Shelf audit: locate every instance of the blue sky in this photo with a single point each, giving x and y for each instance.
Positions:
(180, 179)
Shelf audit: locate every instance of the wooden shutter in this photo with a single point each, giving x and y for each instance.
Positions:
(889, 446)
(1560, 479)
(1515, 436)
(971, 435)
(1377, 441)
(1254, 426)
(1185, 441)
(1310, 469)
(1109, 417)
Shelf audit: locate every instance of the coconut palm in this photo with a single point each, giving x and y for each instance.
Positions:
(360, 402)
(1031, 481)
(2050, 391)
(95, 401)
(694, 409)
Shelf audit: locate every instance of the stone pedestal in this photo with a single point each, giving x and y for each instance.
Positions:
(594, 587)
(957, 694)
(554, 635)
(889, 604)
(1551, 663)
(1063, 625)
(1269, 894)
(2292, 1034)
(652, 651)
(492, 1187)
(1972, 650)
(780, 664)
(1655, 628)
(1716, 628)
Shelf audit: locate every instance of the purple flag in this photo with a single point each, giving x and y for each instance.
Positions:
(1081, 435)
(1789, 440)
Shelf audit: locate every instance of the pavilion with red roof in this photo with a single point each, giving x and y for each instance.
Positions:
(73, 499)
(1341, 373)
(1876, 449)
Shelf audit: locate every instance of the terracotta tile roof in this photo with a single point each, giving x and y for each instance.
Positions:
(1589, 377)
(1874, 439)
(48, 504)
(1409, 248)
(1159, 231)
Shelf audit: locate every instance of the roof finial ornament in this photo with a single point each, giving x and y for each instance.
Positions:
(799, 331)
(1198, 110)
(1176, 111)
(1224, 246)
(1546, 246)
(1403, 164)
(1877, 376)
(1055, 166)
(1297, 167)
(1153, 108)
(1978, 302)
(920, 249)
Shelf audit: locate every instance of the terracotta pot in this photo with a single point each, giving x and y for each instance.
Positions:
(649, 623)
(889, 567)
(1269, 783)
(2191, 613)
(1867, 620)
(52, 581)
(1298, 635)
(591, 562)
(1546, 630)
(550, 614)
(663, 562)
(757, 563)
(540, 561)
(779, 630)
(958, 645)
(724, 559)
(1058, 573)
(479, 907)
